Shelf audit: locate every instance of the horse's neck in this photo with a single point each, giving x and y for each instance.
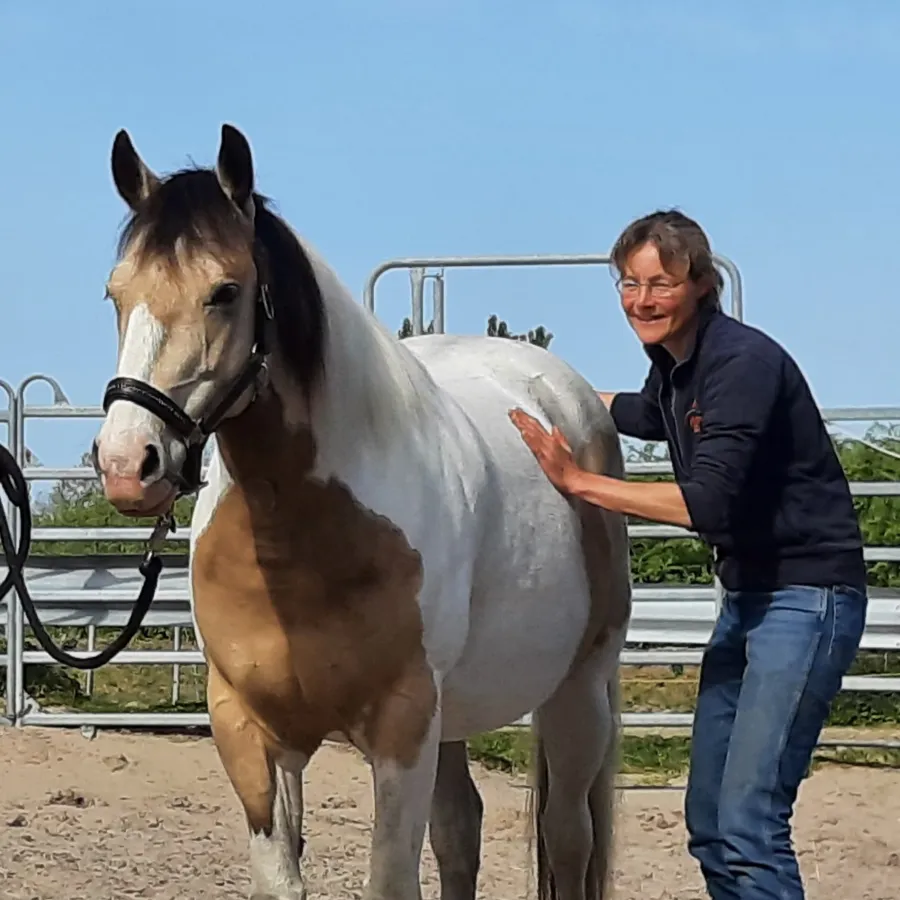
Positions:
(257, 446)
(370, 393)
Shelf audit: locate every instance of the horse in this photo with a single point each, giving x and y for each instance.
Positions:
(375, 555)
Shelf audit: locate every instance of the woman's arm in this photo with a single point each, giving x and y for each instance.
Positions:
(660, 502)
(637, 414)
(738, 398)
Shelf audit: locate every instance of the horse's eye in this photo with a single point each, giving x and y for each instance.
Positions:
(224, 295)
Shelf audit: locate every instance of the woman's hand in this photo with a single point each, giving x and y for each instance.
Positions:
(659, 502)
(551, 450)
(607, 397)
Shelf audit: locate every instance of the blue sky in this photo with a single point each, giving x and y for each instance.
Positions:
(440, 127)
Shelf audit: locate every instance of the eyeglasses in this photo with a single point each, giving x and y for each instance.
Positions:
(628, 287)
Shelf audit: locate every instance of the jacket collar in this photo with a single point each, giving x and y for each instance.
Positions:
(661, 357)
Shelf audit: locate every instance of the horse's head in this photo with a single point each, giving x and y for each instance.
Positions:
(193, 309)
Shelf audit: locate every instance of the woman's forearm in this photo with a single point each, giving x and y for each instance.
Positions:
(656, 501)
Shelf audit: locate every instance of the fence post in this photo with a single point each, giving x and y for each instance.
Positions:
(417, 288)
(437, 300)
(12, 681)
(18, 619)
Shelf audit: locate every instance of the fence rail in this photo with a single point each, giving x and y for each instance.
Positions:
(673, 620)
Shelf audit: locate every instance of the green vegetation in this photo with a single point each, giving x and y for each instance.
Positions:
(645, 688)
(496, 327)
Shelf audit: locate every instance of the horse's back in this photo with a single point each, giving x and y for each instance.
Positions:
(462, 363)
(488, 376)
(540, 592)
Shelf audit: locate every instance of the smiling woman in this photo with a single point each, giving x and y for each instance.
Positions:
(757, 477)
(671, 255)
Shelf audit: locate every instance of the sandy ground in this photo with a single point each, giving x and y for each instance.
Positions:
(132, 816)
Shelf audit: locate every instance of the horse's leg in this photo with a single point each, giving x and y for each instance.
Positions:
(455, 827)
(271, 793)
(275, 856)
(575, 766)
(403, 749)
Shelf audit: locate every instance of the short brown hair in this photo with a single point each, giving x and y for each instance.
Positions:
(678, 239)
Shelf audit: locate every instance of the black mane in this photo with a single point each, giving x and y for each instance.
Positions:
(189, 208)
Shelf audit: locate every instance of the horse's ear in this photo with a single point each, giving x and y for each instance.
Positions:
(133, 180)
(234, 168)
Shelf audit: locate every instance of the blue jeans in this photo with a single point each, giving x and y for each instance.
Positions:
(771, 669)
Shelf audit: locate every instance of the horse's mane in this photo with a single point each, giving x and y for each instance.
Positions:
(189, 213)
(319, 326)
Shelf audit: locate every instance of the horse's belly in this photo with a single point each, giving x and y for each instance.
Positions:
(531, 605)
(521, 646)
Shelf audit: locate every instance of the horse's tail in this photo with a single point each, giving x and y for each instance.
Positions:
(546, 890)
(608, 572)
(602, 801)
(601, 805)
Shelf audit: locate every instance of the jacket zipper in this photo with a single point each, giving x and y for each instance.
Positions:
(672, 431)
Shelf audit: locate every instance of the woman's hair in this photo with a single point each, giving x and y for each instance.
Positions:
(680, 241)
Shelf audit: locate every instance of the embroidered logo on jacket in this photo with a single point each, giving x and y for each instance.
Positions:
(694, 418)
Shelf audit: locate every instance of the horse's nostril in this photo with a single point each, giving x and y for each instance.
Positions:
(151, 463)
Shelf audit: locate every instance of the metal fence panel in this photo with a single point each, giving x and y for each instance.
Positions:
(9, 418)
(670, 622)
(417, 267)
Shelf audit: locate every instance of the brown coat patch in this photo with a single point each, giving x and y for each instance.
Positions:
(605, 544)
(307, 603)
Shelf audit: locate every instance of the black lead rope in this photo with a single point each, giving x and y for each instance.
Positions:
(16, 489)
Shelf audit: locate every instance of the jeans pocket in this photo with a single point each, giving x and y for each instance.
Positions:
(807, 600)
(848, 625)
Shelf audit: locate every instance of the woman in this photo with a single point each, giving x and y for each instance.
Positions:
(757, 478)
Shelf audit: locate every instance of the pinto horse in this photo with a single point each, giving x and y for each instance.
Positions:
(376, 556)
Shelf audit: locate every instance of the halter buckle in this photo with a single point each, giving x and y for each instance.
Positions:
(165, 525)
(265, 299)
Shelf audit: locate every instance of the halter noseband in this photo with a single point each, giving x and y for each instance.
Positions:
(195, 433)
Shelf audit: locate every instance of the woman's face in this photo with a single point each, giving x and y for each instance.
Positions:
(660, 306)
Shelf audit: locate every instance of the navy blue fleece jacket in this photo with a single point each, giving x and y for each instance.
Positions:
(760, 476)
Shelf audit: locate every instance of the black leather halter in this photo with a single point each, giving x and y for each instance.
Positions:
(195, 434)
